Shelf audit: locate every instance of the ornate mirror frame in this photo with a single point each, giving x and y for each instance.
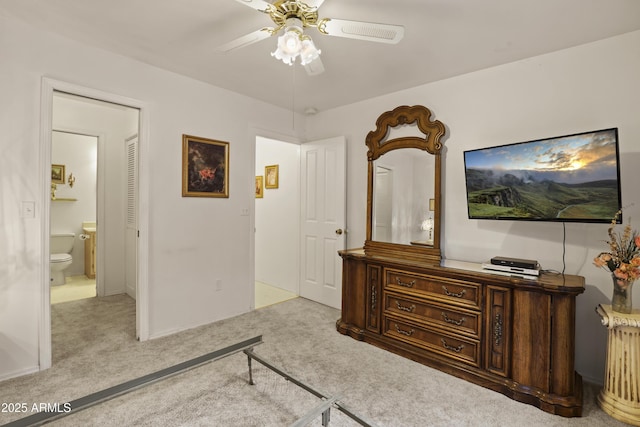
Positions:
(378, 143)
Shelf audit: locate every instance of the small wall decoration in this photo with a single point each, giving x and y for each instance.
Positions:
(57, 174)
(259, 187)
(271, 172)
(205, 167)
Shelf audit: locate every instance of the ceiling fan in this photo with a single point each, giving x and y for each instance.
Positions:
(293, 16)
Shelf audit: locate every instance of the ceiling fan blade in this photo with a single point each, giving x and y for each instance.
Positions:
(246, 40)
(315, 67)
(259, 5)
(383, 33)
(314, 3)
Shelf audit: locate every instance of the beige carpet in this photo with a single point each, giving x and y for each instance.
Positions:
(94, 348)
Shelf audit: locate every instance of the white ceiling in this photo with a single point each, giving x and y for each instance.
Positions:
(443, 38)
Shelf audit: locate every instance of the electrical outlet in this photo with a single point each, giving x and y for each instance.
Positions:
(218, 284)
(244, 212)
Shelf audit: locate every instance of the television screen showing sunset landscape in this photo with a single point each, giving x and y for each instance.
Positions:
(572, 178)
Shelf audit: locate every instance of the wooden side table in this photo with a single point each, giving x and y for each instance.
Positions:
(620, 395)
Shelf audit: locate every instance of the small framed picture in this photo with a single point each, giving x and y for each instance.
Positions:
(205, 167)
(271, 174)
(57, 174)
(259, 187)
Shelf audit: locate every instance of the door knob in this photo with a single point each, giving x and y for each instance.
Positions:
(339, 231)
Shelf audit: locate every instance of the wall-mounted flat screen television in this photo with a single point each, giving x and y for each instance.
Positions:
(571, 178)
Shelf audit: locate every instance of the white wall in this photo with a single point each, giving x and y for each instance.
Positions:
(277, 223)
(589, 87)
(192, 241)
(79, 155)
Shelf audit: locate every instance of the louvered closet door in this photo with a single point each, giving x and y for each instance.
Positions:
(131, 230)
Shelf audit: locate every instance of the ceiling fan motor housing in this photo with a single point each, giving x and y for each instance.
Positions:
(282, 11)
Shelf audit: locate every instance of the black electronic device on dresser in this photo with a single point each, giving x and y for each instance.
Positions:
(515, 262)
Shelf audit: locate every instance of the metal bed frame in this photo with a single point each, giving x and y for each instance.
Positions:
(323, 409)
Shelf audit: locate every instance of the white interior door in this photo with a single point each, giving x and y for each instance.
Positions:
(323, 219)
(131, 229)
(383, 204)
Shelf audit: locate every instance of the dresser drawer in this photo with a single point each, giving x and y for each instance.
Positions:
(450, 290)
(448, 318)
(454, 347)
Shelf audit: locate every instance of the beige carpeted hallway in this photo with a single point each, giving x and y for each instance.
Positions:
(94, 347)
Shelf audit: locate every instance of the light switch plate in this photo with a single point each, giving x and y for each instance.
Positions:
(28, 209)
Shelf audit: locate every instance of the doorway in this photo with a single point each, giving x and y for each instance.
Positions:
(300, 224)
(73, 212)
(113, 119)
(98, 214)
(277, 217)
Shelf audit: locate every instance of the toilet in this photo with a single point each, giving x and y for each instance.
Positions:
(60, 247)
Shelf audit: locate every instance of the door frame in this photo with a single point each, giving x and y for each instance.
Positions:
(46, 121)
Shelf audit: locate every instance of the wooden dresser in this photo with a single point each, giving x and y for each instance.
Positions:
(512, 335)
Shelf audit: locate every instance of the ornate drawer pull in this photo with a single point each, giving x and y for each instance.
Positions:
(497, 329)
(374, 297)
(448, 347)
(403, 332)
(405, 284)
(405, 308)
(451, 294)
(455, 322)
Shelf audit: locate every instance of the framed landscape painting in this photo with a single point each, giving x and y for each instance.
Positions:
(205, 167)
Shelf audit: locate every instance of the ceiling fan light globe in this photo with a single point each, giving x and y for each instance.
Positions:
(308, 52)
(283, 56)
(290, 41)
(289, 46)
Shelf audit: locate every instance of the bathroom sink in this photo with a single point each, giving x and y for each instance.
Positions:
(89, 226)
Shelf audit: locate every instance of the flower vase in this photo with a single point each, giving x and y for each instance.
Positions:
(622, 295)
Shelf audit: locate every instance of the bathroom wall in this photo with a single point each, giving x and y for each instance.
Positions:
(79, 155)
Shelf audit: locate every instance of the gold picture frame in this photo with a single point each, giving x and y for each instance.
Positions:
(57, 174)
(259, 187)
(205, 167)
(271, 176)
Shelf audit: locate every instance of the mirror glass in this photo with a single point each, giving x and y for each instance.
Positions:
(403, 194)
